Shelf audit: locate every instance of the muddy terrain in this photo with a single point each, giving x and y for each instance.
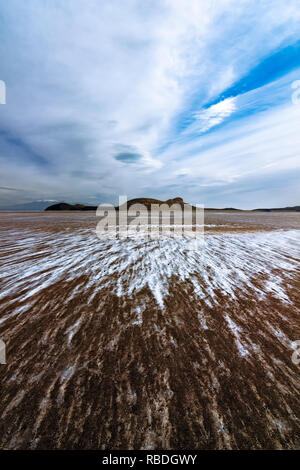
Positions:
(148, 344)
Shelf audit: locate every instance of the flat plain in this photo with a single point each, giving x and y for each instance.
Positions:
(146, 344)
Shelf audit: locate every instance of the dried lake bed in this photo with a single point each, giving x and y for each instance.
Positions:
(147, 344)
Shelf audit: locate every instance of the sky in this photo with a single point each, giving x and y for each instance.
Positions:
(198, 99)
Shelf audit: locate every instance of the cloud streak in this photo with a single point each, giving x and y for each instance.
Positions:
(148, 98)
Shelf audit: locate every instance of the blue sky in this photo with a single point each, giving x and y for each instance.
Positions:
(157, 98)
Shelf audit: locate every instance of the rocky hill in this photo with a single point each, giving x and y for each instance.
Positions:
(63, 206)
(146, 201)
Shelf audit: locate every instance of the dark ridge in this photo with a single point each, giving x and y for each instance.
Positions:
(280, 209)
(63, 206)
(147, 202)
(34, 206)
(225, 209)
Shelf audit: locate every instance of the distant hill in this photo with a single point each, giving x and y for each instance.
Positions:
(146, 201)
(28, 206)
(225, 209)
(63, 206)
(280, 209)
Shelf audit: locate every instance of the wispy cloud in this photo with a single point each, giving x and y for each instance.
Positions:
(212, 116)
(148, 97)
(5, 188)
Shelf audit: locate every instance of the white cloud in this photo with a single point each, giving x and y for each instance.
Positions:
(86, 77)
(262, 147)
(212, 116)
